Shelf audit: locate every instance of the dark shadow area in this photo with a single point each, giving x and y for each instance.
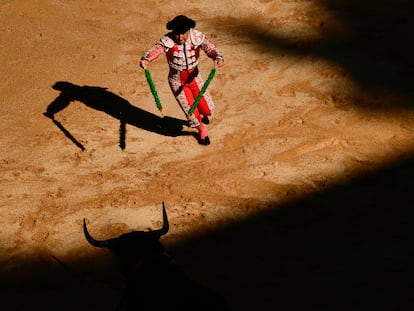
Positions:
(101, 99)
(146, 266)
(348, 248)
(371, 40)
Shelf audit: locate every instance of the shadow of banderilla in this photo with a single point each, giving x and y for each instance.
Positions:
(101, 99)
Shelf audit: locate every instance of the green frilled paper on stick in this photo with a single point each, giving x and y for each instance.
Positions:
(203, 90)
(153, 90)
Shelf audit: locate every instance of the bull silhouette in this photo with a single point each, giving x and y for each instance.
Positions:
(153, 280)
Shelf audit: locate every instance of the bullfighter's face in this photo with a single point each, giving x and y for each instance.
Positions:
(180, 38)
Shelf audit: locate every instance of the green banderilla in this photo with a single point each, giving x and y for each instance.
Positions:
(153, 90)
(203, 89)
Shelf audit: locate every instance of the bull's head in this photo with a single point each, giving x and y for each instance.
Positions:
(133, 245)
(147, 268)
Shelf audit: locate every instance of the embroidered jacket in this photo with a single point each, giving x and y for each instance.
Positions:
(183, 56)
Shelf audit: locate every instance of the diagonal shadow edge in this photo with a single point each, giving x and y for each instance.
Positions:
(350, 245)
(347, 247)
(374, 51)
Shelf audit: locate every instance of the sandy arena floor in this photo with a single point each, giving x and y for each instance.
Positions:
(303, 201)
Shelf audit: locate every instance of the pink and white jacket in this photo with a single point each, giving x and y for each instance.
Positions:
(183, 56)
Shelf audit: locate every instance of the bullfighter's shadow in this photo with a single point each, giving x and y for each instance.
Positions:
(101, 99)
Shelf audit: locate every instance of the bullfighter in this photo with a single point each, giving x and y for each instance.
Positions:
(182, 48)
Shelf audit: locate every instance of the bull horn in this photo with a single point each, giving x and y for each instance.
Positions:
(165, 225)
(91, 240)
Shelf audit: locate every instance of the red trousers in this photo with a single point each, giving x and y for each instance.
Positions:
(186, 86)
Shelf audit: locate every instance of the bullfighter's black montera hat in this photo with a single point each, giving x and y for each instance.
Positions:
(180, 24)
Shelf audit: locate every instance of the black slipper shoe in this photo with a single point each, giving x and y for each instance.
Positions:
(205, 141)
(205, 120)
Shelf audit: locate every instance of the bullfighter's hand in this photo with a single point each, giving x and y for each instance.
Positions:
(143, 64)
(218, 62)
